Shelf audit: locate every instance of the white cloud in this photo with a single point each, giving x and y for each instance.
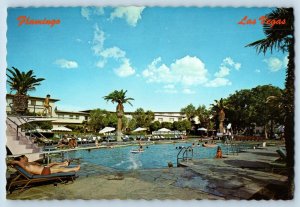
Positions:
(188, 91)
(99, 11)
(217, 82)
(125, 69)
(229, 61)
(186, 71)
(113, 52)
(227, 65)
(237, 66)
(63, 63)
(275, 64)
(98, 40)
(131, 14)
(169, 88)
(224, 71)
(86, 12)
(101, 63)
(78, 40)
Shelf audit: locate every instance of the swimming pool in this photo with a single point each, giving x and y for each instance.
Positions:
(154, 156)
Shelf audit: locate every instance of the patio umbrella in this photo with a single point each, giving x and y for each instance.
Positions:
(164, 130)
(107, 129)
(202, 129)
(61, 129)
(139, 129)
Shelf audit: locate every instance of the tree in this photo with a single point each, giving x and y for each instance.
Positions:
(132, 124)
(281, 38)
(219, 109)
(98, 119)
(251, 106)
(189, 111)
(21, 82)
(143, 119)
(184, 125)
(155, 126)
(120, 98)
(203, 115)
(167, 125)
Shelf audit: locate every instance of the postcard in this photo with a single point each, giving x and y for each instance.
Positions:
(150, 103)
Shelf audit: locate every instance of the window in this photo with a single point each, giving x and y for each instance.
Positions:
(171, 120)
(71, 116)
(60, 116)
(33, 102)
(77, 117)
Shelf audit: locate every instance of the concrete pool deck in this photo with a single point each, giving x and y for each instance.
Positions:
(248, 175)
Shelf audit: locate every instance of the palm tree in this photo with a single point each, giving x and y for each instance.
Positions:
(120, 98)
(219, 109)
(21, 82)
(189, 111)
(203, 115)
(281, 38)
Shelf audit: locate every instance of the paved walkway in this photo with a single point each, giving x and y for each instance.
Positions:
(235, 177)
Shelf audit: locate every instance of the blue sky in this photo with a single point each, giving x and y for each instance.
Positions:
(166, 58)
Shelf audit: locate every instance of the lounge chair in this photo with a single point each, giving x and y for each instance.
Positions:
(279, 165)
(24, 179)
(282, 154)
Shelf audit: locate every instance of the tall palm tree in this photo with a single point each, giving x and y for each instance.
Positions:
(281, 38)
(22, 83)
(120, 98)
(219, 108)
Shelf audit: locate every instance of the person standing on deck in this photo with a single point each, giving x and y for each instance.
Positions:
(47, 107)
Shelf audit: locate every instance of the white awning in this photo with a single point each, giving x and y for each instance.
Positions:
(61, 129)
(164, 130)
(139, 129)
(107, 129)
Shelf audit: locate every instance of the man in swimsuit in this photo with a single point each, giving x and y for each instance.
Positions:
(37, 169)
(47, 107)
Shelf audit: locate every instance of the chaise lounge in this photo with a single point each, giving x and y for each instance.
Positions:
(24, 179)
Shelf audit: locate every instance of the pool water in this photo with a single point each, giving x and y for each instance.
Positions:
(154, 156)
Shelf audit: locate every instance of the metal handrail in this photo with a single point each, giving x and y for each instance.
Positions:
(32, 128)
(24, 134)
(185, 155)
(234, 147)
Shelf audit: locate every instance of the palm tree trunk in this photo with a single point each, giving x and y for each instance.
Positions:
(119, 126)
(266, 131)
(20, 104)
(289, 121)
(221, 127)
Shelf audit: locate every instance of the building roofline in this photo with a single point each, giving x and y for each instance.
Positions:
(34, 97)
(131, 112)
(71, 112)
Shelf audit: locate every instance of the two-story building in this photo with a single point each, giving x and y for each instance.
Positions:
(63, 118)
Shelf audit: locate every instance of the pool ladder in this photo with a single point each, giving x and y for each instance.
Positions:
(185, 154)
